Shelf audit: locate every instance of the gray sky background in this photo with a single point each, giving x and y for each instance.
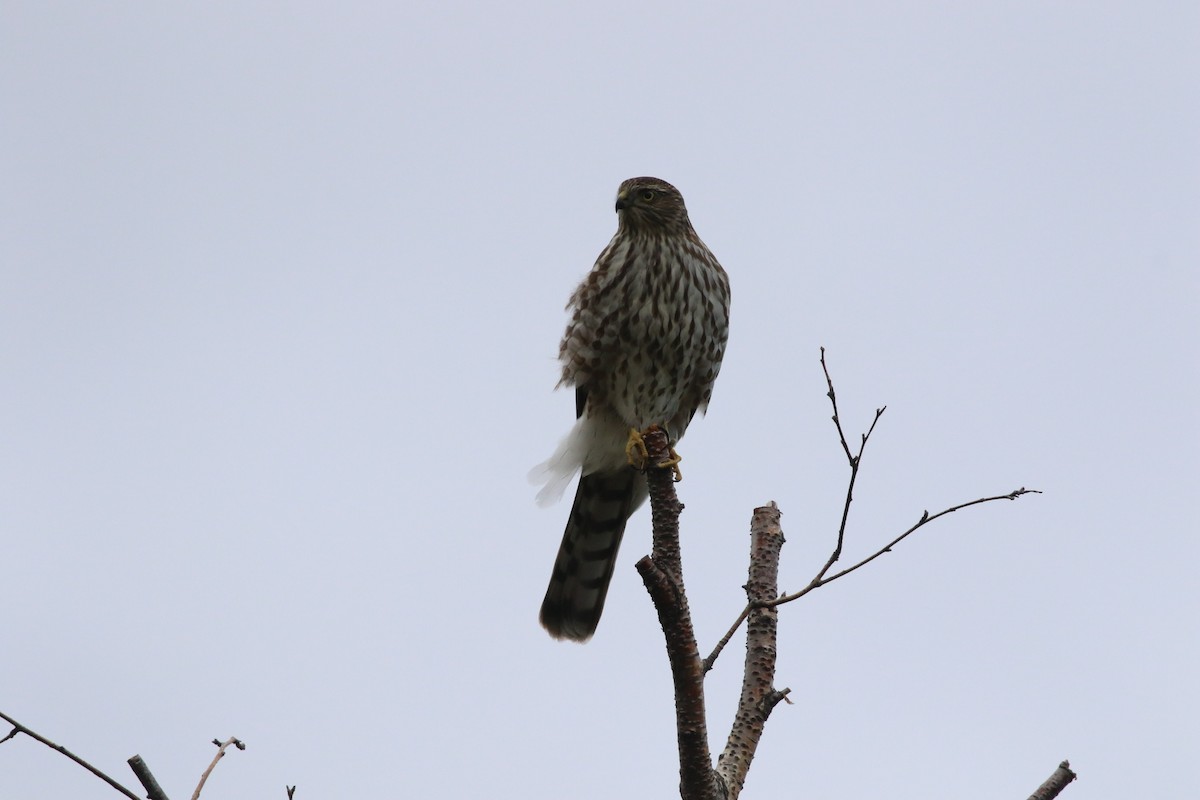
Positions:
(282, 290)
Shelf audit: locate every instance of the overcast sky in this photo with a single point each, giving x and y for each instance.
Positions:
(282, 289)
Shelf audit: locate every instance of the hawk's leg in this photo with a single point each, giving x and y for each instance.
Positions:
(637, 455)
(635, 450)
(673, 462)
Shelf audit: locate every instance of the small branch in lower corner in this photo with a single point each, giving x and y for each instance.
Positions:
(147, 779)
(221, 747)
(19, 728)
(1055, 783)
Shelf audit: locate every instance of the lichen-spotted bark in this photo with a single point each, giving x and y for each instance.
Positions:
(662, 574)
(759, 695)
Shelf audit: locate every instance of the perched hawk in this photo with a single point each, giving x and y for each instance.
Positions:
(643, 347)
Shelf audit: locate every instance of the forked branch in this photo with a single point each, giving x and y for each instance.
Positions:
(662, 574)
(823, 577)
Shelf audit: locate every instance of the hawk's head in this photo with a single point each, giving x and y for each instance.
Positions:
(651, 204)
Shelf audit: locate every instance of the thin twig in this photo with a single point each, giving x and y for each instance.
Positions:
(819, 581)
(926, 518)
(19, 728)
(855, 461)
(712, 657)
(1055, 783)
(232, 740)
(833, 399)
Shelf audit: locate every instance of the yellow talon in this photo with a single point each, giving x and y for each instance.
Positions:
(637, 455)
(635, 450)
(673, 463)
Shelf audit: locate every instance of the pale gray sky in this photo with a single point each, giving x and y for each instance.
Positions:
(282, 289)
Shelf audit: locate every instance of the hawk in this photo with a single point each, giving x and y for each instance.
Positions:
(643, 347)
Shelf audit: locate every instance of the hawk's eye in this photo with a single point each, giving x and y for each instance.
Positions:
(648, 194)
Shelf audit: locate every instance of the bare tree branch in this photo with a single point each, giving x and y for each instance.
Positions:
(759, 695)
(1055, 783)
(855, 461)
(221, 746)
(147, 779)
(19, 728)
(926, 518)
(661, 573)
(737, 623)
